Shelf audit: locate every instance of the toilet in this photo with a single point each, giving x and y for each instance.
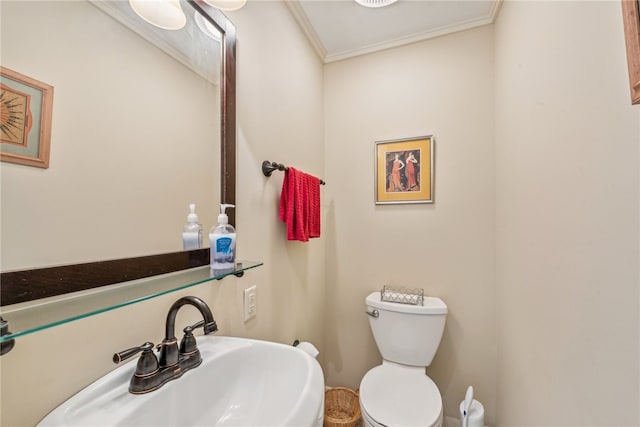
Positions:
(398, 392)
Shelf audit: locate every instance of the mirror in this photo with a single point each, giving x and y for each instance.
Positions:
(118, 187)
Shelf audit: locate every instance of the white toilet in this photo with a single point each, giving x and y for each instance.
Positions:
(399, 393)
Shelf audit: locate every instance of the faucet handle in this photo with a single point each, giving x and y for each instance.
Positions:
(147, 363)
(130, 352)
(188, 343)
(207, 326)
(190, 329)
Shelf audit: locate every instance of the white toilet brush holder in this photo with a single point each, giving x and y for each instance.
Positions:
(475, 417)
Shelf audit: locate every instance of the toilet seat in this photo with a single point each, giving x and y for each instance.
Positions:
(392, 395)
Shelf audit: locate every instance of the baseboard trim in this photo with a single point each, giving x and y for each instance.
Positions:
(452, 422)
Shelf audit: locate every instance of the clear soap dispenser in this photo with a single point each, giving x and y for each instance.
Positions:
(192, 231)
(222, 244)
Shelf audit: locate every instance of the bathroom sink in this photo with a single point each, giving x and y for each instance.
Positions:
(241, 382)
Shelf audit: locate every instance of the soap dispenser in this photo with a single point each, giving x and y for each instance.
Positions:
(192, 231)
(222, 244)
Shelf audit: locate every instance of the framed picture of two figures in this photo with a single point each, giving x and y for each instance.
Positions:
(404, 170)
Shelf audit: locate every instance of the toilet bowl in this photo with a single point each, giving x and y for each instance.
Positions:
(393, 395)
(398, 392)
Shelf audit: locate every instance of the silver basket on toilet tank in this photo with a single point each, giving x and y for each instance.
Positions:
(402, 295)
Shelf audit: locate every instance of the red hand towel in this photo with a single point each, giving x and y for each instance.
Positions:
(313, 192)
(300, 205)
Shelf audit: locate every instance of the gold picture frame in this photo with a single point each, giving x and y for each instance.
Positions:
(404, 170)
(631, 18)
(26, 106)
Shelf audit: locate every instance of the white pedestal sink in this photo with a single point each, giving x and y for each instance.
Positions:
(241, 382)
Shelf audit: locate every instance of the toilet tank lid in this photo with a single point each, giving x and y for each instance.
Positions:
(432, 305)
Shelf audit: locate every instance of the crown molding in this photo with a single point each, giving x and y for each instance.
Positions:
(412, 38)
(314, 39)
(495, 8)
(307, 28)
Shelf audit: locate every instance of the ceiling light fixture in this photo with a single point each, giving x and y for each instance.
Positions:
(165, 14)
(375, 3)
(226, 5)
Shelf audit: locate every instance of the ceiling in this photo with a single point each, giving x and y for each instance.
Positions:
(340, 29)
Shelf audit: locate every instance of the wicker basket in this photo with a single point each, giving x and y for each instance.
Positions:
(341, 407)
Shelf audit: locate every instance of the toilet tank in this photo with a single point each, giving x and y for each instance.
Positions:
(404, 333)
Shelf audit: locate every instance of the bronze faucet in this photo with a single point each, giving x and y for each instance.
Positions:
(153, 372)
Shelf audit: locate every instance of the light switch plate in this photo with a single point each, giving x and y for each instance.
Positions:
(250, 303)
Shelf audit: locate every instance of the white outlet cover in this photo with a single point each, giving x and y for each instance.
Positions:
(250, 303)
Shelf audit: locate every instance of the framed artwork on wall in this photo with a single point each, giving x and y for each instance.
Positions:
(404, 170)
(26, 106)
(631, 17)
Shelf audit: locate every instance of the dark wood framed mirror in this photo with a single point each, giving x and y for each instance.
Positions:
(23, 285)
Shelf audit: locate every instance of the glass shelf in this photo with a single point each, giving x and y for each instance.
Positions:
(27, 318)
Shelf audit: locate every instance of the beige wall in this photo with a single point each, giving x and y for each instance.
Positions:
(442, 87)
(279, 112)
(279, 118)
(567, 217)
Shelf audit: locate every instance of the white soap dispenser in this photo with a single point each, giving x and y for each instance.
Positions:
(192, 231)
(222, 244)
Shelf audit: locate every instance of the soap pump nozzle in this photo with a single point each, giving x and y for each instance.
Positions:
(192, 218)
(223, 218)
